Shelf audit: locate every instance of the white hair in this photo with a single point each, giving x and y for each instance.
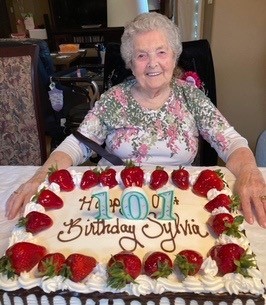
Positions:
(149, 22)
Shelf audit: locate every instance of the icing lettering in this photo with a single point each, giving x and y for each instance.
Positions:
(76, 228)
(172, 229)
(129, 238)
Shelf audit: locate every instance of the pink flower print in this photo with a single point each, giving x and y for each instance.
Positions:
(129, 133)
(120, 97)
(158, 127)
(175, 109)
(205, 134)
(222, 141)
(192, 143)
(141, 153)
(172, 132)
(143, 150)
(122, 137)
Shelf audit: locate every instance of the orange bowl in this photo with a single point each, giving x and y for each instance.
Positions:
(69, 48)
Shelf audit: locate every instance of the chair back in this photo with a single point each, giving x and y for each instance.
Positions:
(197, 57)
(260, 150)
(22, 139)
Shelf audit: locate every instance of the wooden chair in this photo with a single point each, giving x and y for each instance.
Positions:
(22, 139)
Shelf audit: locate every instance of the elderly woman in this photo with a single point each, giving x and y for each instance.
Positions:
(156, 118)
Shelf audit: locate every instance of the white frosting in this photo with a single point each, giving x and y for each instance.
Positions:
(32, 206)
(212, 193)
(242, 241)
(219, 211)
(209, 267)
(19, 234)
(76, 221)
(27, 280)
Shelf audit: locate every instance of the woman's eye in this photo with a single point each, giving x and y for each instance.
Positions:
(141, 56)
(162, 53)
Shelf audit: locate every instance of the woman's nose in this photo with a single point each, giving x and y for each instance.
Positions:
(152, 60)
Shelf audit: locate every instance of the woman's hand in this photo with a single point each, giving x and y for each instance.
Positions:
(250, 185)
(18, 199)
(251, 188)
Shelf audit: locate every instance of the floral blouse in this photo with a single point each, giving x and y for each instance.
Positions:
(166, 136)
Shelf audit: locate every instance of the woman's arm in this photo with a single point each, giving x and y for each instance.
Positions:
(250, 185)
(69, 152)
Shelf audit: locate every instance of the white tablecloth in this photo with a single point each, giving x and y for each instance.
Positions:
(12, 176)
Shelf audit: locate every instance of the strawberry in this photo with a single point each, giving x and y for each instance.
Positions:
(132, 175)
(232, 258)
(51, 264)
(48, 199)
(35, 222)
(108, 177)
(180, 178)
(222, 200)
(208, 179)
(158, 264)
(226, 223)
(159, 178)
(188, 262)
(78, 266)
(89, 179)
(22, 256)
(62, 177)
(123, 268)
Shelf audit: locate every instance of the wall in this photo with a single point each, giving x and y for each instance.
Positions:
(238, 43)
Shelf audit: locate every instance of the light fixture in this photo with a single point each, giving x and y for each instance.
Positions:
(119, 12)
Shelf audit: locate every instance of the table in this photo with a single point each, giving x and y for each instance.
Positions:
(13, 176)
(63, 61)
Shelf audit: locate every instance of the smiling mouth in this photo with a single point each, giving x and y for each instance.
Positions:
(153, 73)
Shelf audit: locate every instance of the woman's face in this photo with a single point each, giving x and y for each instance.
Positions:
(153, 60)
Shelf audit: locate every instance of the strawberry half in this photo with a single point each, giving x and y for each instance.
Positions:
(158, 264)
(180, 178)
(108, 177)
(223, 200)
(48, 199)
(226, 223)
(232, 258)
(159, 178)
(78, 266)
(22, 256)
(188, 262)
(51, 264)
(35, 222)
(62, 177)
(90, 178)
(208, 179)
(123, 268)
(132, 175)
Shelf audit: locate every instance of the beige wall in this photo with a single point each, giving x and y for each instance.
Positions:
(238, 42)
